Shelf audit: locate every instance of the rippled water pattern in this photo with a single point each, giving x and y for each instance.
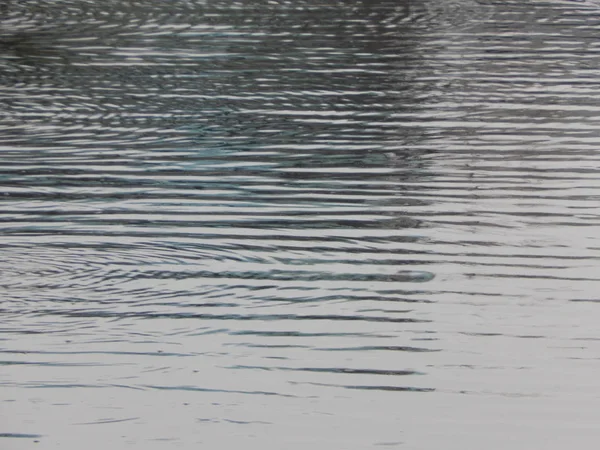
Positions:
(303, 224)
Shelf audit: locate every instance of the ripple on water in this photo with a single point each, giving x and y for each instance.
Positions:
(300, 213)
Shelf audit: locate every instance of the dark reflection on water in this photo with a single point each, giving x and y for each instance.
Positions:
(379, 219)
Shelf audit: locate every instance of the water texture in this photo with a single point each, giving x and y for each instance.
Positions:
(303, 224)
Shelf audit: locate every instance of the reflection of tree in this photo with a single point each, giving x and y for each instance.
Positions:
(291, 85)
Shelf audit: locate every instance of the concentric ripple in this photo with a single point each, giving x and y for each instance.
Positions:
(296, 224)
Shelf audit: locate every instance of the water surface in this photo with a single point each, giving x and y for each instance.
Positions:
(343, 225)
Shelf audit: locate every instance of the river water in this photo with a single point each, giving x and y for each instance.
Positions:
(300, 224)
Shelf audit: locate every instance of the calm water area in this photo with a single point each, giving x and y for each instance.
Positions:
(301, 224)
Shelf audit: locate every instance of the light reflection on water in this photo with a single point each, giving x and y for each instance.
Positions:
(345, 225)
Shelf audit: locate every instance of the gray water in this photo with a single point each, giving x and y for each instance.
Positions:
(303, 224)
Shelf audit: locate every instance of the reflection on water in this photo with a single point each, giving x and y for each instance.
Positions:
(342, 224)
